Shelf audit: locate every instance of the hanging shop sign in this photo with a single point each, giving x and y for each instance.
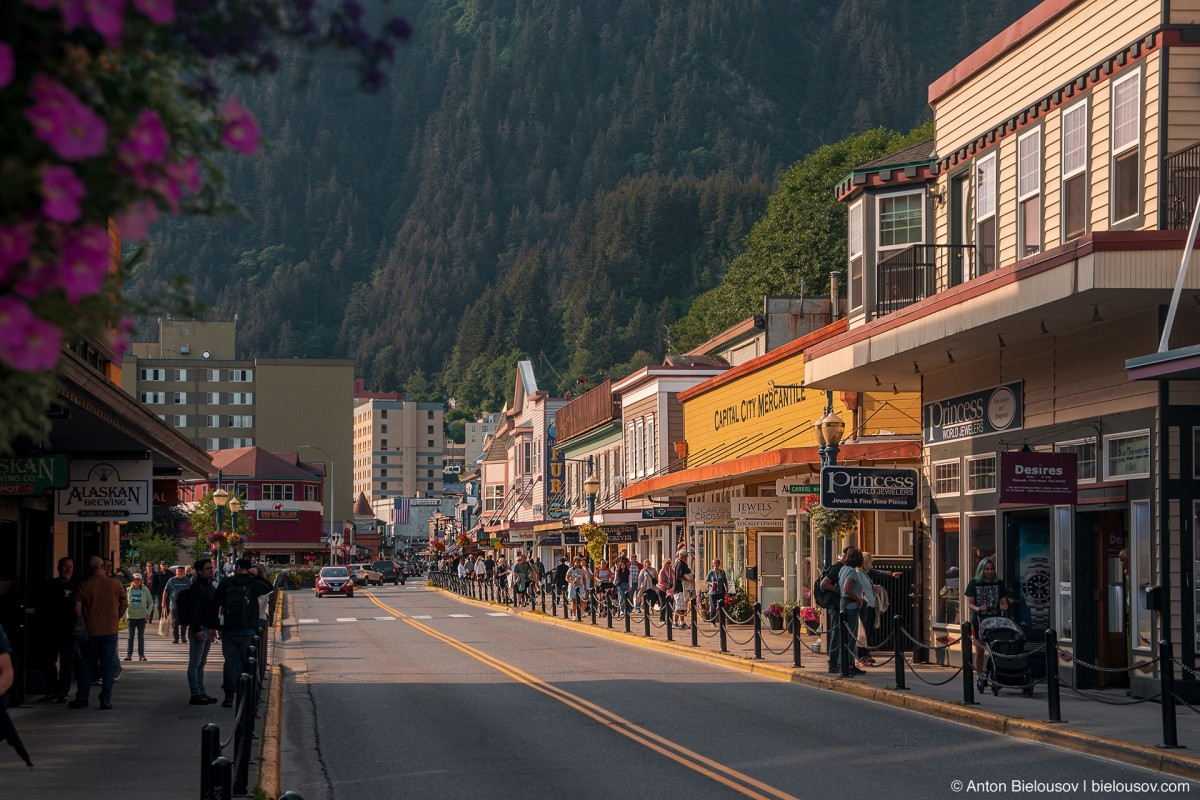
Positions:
(1038, 479)
(709, 515)
(621, 534)
(994, 410)
(664, 512)
(110, 489)
(24, 475)
(749, 510)
(869, 489)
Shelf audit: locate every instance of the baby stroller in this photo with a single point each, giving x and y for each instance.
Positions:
(1007, 661)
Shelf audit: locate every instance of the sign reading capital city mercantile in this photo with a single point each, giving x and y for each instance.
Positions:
(1038, 479)
(869, 489)
(1000, 408)
(32, 474)
(108, 489)
(748, 510)
(709, 515)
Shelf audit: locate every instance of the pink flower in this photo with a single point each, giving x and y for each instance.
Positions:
(70, 128)
(15, 244)
(85, 260)
(241, 131)
(104, 16)
(61, 193)
(26, 342)
(38, 277)
(7, 65)
(186, 174)
(134, 222)
(159, 11)
(147, 142)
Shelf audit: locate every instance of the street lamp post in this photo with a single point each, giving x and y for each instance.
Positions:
(220, 498)
(830, 430)
(235, 505)
(591, 488)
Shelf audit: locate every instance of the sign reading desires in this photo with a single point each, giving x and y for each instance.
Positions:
(757, 406)
(1000, 408)
(110, 489)
(1038, 479)
(709, 515)
(869, 488)
(746, 510)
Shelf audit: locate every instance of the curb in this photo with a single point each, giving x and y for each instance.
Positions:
(1171, 762)
(269, 765)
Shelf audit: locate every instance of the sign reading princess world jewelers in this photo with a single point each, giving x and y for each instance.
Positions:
(1000, 408)
(109, 489)
(869, 489)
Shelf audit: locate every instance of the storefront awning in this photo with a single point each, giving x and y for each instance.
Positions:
(771, 464)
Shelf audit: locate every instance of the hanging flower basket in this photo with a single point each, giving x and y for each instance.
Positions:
(596, 540)
(215, 538)
(234, 539)
(830, 523)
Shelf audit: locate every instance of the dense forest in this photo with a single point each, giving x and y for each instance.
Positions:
(554, 180)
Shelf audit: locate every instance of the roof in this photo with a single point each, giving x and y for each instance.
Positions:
(361, 507)
(695, 360)
(916, 154)
(255, 462)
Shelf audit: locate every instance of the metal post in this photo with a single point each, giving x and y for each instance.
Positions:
(721, 630)
(221, 780)
(543, 593)
(898, 650)
(627, 609)
(210, 748)
(244, 733)
(695, 628)
(593, 602)
(671, 628)
(646, 616)
(1052, 676)
(1167, 676)
(608, 610)
(968, 672)
(758, 630)
(796, 637)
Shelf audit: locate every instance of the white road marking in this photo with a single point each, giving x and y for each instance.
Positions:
(421, 616)
(459, 616)
(347, 619)
(498, 614)
(383, 618)
(307, 621)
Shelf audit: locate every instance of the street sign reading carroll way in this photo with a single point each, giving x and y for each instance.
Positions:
(869, 489)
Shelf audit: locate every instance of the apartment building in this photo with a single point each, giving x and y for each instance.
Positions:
(474, 435)
(398, 446)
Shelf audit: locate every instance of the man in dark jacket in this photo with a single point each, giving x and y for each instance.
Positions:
(237, 598)
(58, 618)
(158, 583)
(196, 615)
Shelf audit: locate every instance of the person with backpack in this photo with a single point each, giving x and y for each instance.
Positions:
(237, 603)
(828, 595)
(852, 600)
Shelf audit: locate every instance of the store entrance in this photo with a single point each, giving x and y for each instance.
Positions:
(1102, 598)
(1029, 579)
(770, 568)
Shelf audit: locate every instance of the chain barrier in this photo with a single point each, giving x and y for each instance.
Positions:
(919, 643)
(932, 683)
(1106, 701)
(1180, 701)
(1175, 661)
(1111, 670)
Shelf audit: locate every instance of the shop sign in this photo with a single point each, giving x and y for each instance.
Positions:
(556, 487)
(709, 515)
(869, 489)
(32, 474)
(1000, 408)
(424, 501)
(757, 406)
(278, 514)
(166, 493)
(110, 489)
(552, 540)
(571, 538)
(620, 534)
(786, 487)
(664, 512)
(745, 510)
(1038, 479)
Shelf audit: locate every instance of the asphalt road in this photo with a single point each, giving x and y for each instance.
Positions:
(485, 707)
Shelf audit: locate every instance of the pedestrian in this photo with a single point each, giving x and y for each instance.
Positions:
(526, 578)
(140, 605)
(560, 577)
(170, 593)
(489, 567)
(851, 601)
(158, 583)
(621, 578)
(869, 614)
(101, 601)
(236, 598)
(462, 568)
(985, 597)
(718, 585)
(6, 666)
(635, 573)
(646, 593)
(685, 588)
(502, 579)
(195, 612)
(666, 584)
(576, 588)
(57, 615)
(480, 570)
(829, 597)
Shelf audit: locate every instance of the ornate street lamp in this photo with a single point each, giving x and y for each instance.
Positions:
(830, 430)
(235, 505)
(591, 488)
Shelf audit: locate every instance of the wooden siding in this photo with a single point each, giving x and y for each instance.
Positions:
(1151, 82)
(1183, 98)
(1184, 12)
(590, 410)
(1053, 55)
(884, 412)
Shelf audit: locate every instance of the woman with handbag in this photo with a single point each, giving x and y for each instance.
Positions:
(718, 585)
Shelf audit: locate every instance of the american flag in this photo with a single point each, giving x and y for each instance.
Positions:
(400, 511)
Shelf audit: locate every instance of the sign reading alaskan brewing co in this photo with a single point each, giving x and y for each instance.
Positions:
(1000, 408)
(709, 515)
(748, 510)
(32, 474)
(111, 489)
(1038, 479)
(869, 489)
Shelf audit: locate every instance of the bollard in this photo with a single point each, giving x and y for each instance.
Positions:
(968, 666)
(646, 615)
(758, 630)
(1167, 676)
(554, 604)
(608, 610)
(695, 628)
(244, 733)
(898, 650)
(721, 630)
(671, 628)
(543, 600)
(210, 748)
(594, 605)
(222, 779)
(1052, 676)
(627, 610)
(796, 637)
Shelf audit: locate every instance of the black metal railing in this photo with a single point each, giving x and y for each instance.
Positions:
(920, 271)
(1182, 172)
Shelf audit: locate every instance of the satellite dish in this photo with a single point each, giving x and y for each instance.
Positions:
(206, 354)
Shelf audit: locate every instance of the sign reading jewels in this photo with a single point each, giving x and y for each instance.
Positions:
(869, 489)
(110, 489)
(32, 474)
(748, 510)
(1000, 408)
(709, 515)
(1038, 479)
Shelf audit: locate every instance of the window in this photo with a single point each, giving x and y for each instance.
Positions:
(241, 421)
(651, 446)
(383, 486)
(981, 530)
(383, 428)
(639, 444)
(1029, 193)
(430, 443)
(901, 220)
(949, 583)
(855, 251)
(1127, 455)
(241, 375)
(241, 398)
(629, 468)
(268, 492)
(1074, 171)
(179, 398)
(153, 398)
(428, 473)
(428, 459)
(429, 429)
(1085, 458)
(493, 497)
(383, 459)
(985, 214)
(152, 374)
(383, 413)
(526, 458)
(212, 398)
(212, 421)
(383, 444)
(211, 444)
(241, 442)
(1126, 146)
(1064, 520)
(179, 420)
(310, 494)
(289, 491)
(981, 474)
(1141, 575)
(179, 375)
(212, 375)
(946, 478)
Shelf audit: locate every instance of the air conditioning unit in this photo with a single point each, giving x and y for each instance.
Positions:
(184, 350)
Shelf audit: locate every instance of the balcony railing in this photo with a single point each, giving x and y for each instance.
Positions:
(1182, 171)
(920, 271)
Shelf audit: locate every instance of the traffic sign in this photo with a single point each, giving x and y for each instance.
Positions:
(135, 553)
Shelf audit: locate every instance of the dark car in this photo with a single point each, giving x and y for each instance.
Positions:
(389, 572)
(334, 580)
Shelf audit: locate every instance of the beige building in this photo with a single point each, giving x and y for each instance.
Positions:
(474, 435)
(191, 379)
(398, 446)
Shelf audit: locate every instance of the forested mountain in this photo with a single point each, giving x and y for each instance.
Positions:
(550, 178)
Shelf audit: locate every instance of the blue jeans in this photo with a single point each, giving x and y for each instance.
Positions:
(849, 619)
(835, 634)
(197, 658)
(622, 592)
(137, 626)
(235, 648)
(104, 650)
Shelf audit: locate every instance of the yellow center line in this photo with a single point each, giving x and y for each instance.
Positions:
(713, 770)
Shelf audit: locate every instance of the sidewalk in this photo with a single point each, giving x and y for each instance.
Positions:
(1106, 723)
(149, 741)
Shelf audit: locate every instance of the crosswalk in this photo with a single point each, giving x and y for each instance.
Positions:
(348, 620)
(161, 653)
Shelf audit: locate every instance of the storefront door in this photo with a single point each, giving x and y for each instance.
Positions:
(1102, 597)
(1028, 575)
(770, 568)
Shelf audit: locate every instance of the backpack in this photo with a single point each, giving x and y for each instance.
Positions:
(824, 597)
(239, 609)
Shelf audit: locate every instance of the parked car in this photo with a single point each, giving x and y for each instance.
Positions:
(389, 572)
(364, 575)
(335, 580)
